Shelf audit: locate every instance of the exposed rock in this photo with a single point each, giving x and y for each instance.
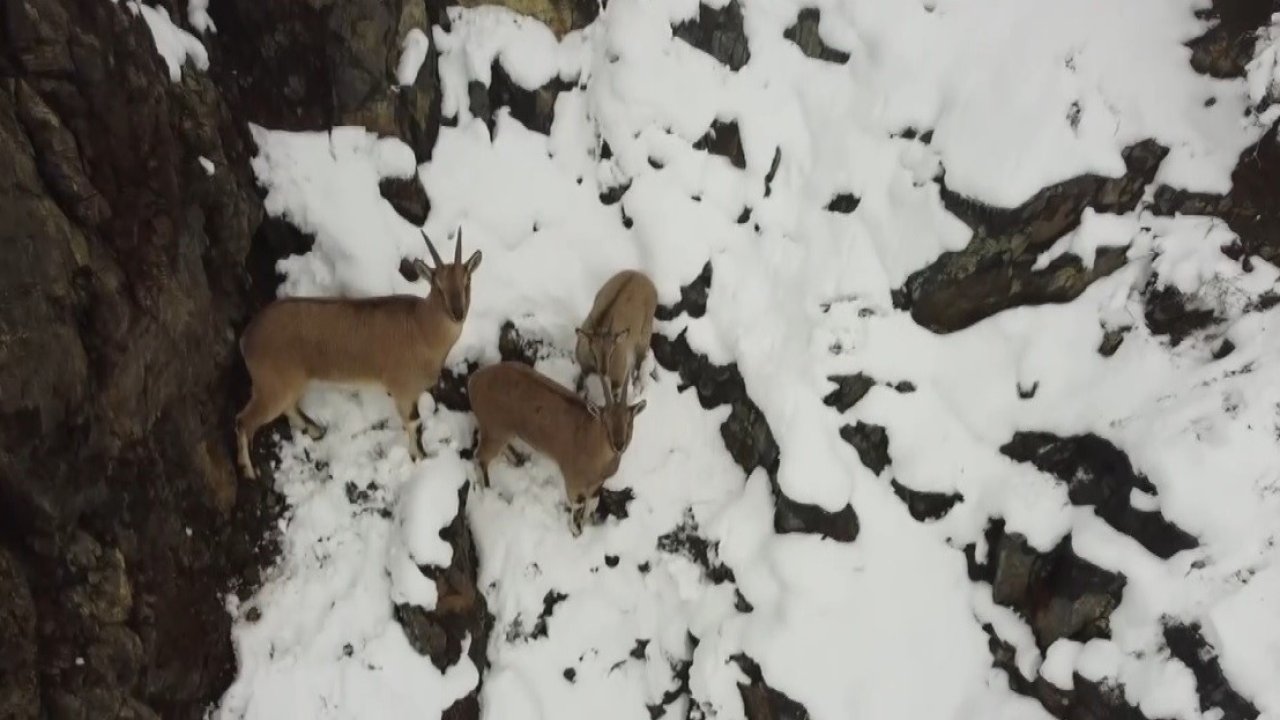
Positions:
(925, 506)
(1187, 643)
(408, 197)
(562, 16)
(1059, 594)
(693, 298)
(685, 541)
(843, 203)
(995, 272)
(19, 689)
(314, 65)
(849, 390)
(1086, 700)
(804, 33)
(124, 283)
(762, 702)
(1225, 50)
(1251, 209)
(535, 109)
(1098, 473)
(871, 442)
(724, 139)
(718, 33)
(461, 612)
(748, 438)
(1111, 341)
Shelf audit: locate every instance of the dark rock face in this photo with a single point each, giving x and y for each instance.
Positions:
(1058, 593)
(724, 139)
(762, 702)
(535, 109)
(1086, 700)
(122, 519)
(1228, 46)
(460, 611)
(804, 33)
(408, 197)
(1187, 643)
(310, 66)
(1098, 473)
(995, 272)
(844, 203)
(718, 33)
(925, 506)
(871, 442)
(1251, 209)
(748, 438)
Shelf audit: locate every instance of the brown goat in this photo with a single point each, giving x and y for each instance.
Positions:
(399, 342)
(621, 319)
(512, 400)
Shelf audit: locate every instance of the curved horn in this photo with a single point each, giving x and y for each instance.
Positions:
(457, 249)
(435, 256)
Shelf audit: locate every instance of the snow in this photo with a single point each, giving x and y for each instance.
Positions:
(207, 164)
(798, 294)
(413, 52)
(198, 16)
(175, 45)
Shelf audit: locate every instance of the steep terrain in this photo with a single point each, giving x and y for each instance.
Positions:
(962, 402)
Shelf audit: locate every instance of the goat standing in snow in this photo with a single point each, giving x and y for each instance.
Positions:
(397, 341)
(620, 321)
(512, 400)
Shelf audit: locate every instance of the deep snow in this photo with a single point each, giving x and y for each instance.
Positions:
(888, 626)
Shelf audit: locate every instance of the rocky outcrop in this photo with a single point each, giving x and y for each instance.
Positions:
(313, 65)
(1099, 474)
(995, 271)
(718, 32)
(804, 33)
(562, 16)
(122, 523)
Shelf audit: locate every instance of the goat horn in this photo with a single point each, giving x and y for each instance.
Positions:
(457, 249)
(435, 256)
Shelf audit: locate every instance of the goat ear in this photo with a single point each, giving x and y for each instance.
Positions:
(424, 271)
(474, 261)
(638, 407)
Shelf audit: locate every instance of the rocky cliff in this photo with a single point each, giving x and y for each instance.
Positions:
(130, 266)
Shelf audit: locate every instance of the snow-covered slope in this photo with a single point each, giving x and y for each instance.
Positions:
(627, 621)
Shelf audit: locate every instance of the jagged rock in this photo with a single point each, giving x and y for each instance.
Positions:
(762, 702)
(843, 203)
(995, 272)
(408, 197)
(685, 541)
(849, 390)
(1059, 594)
(925, 506)
(1225, 50)
(1111, 341)
(19, 690)
(1187, 643)
(748, 438)
(562, 16)
(311, 66)
(718, 33)
(275, 238)
(1098, 473)
(1251, 209)
(804, 33)
(871, 442)
(724, 139)
(535, 109)
(124, 283)
(1086, 700)
(461, 611)
(693, 298)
